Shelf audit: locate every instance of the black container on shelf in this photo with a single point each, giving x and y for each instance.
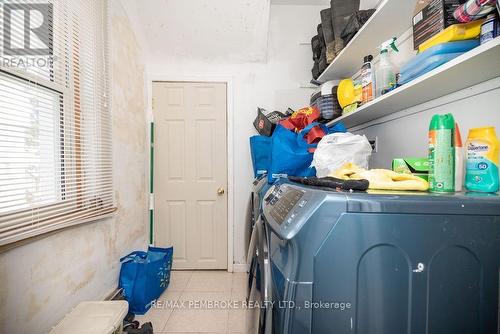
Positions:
(326, 101)
(265, 122)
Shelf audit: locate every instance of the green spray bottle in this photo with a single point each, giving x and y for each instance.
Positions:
(442, 154)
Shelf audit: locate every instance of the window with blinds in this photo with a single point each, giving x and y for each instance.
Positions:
(55, 120)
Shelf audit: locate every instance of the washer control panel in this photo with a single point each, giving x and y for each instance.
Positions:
(287, 207)
(283, 203)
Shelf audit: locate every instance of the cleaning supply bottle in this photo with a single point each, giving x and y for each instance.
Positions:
(367, 81)
(442, 154)
(482, 160)
(385, 74)
(459, 159)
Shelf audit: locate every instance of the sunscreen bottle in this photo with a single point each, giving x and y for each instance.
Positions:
(482, 160)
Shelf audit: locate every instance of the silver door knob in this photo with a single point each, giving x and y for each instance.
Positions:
(220, 191)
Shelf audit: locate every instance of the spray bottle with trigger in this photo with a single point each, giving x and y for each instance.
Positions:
(385, 76)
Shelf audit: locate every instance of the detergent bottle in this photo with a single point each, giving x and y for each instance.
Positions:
(482, 160)
(442, 154)
(385, 75)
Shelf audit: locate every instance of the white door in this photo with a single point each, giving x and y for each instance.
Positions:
(190, 172)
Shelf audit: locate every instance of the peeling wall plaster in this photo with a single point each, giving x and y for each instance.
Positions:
(43, 280)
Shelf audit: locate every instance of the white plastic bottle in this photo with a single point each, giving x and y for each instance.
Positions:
(385, 76)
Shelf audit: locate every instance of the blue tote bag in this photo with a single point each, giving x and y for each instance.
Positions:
(260, 148)
(144, 276)
(290, 153)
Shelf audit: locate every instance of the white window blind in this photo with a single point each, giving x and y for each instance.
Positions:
(55, 121)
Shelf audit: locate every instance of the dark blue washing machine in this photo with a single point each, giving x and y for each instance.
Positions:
(259, 279)
(383, 263)
(259, 189)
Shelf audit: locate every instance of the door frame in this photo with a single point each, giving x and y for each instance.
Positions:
(155, 76)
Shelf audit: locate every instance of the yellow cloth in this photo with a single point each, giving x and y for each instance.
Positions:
(381, 179)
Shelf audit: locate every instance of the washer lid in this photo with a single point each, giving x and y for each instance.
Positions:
(425, 203)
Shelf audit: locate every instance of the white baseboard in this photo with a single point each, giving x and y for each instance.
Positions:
(240, 268)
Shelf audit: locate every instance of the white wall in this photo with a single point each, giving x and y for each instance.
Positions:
(43, 280)
(270, 80)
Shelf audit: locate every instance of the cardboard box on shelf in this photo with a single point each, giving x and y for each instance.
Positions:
(431, 17)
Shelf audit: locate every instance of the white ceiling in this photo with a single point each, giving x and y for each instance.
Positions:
(364, 4)
(301, 2)
(210, 31)
(230, 31)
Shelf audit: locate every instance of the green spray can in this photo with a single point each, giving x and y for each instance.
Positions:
(442, 154)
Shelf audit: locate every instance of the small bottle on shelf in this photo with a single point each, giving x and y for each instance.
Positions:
(367, 80)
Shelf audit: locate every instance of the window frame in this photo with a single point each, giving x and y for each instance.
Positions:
(72, 200)
(28, 79)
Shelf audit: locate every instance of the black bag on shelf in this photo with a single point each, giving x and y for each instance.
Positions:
(316, 47)
(323, 64)
(356, 21)
(321, 36)
(315, 70)
(341, 11)
(326, 24)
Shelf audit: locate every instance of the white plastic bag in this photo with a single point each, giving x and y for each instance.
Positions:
(337, 149)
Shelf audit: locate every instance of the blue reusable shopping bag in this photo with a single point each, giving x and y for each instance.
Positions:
(260, 148)
(290, 153)
(144, 276)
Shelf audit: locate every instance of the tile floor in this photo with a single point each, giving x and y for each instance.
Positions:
(176, 312)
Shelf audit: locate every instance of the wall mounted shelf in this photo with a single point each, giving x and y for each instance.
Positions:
(471, 68)
(391, 19)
